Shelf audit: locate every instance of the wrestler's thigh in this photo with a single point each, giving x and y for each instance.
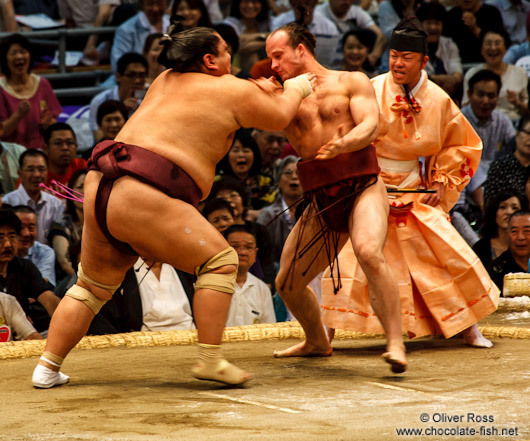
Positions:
(316, 257)
(369, 218)
(161, 228)
(101, 261)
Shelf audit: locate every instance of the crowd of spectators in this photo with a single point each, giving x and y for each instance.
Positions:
(478, 52)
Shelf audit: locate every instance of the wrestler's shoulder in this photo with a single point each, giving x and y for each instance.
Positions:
(352, 79)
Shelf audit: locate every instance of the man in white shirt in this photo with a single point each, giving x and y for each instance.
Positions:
(33, 172)
(154, 297)
(252, 300)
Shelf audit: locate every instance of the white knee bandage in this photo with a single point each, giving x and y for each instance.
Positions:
(85, 296)
(111, 289)
(218, 281)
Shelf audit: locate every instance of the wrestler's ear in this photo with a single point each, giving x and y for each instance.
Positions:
(209, 62)
(300, 49)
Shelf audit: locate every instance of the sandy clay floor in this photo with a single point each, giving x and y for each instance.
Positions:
(450, 392)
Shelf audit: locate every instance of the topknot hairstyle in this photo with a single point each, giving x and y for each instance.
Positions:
(183, 50)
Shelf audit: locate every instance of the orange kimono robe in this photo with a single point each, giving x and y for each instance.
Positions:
(443, 286)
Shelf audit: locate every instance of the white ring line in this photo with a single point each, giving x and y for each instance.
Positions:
(406, 389)
(389, 386)
(254, 403)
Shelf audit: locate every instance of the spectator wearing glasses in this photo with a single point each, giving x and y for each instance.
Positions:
(61, 147)
(33, 170)
(21, 278)
(252, 300)
(131, 76)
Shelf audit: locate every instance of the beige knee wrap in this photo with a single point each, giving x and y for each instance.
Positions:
(217, 281)
(85, 296)
(111, 289)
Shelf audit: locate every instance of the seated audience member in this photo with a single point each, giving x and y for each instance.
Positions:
(130, 76)
(20, 278)
(231, 190)
(13, 316)
(464, 24)
(229, 35)
(27, 102)
(8, 22)
(194, 13)
(349, 17)
(518, 51)
(356, 46)
(243, 162)
(42, 256)
(444, 66)
(251, 21)
(497, 134)
(9, 157)
(510, 171)
(152, 49)
(514, 14)
(131, 35)
(219, 213)
(111, 118)
(61, 147)
(271, 145)
(515, 258)
(279, 218)
(65, 232)
(494, 231)
(33, 169)
(494, 128)
(154, 297)
(252, 300)
(513, 96)
(325, 31)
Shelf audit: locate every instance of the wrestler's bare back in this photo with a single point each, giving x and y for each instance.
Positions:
(339, 98)
(190, 119)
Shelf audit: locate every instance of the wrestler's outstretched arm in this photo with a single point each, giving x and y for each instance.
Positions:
(266, 105)
(365, 114)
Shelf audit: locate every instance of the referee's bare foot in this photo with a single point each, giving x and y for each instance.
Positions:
(304, 349)
(396, 358)
(473, 337)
